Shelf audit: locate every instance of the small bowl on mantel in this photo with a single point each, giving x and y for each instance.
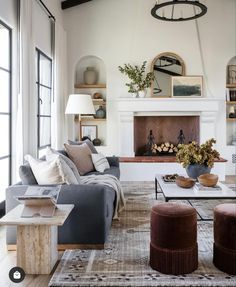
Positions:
(208, 179)
(185, 182)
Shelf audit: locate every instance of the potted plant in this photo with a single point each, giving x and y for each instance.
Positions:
(197, 159)
(140, 80)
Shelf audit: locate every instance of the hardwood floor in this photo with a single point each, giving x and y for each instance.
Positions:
(8, 260)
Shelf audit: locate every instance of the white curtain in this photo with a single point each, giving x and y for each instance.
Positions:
(25, 132)
(59, 122)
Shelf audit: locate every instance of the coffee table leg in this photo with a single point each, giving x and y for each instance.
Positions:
(156, 187)
(37, 248)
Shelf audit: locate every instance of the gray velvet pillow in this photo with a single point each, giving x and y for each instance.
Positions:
(26, 175)
(88, 142)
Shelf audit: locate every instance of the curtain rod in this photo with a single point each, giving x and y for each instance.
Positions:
(48, 11)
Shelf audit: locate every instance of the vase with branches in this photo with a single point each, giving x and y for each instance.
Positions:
(139, 79)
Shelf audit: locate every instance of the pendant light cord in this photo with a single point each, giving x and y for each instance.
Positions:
(202, 58)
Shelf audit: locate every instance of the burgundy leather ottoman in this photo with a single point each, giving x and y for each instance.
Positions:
(224, 254)
(173, 247)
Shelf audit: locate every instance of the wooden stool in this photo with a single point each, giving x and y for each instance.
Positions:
(224, 254)
(173, 247)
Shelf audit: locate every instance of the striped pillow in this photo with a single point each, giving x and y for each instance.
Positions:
(100, 162)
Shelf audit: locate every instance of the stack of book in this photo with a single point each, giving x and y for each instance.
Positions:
(200, 187)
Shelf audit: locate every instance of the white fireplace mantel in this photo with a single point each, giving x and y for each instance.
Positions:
(128, 108)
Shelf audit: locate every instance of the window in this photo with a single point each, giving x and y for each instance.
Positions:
(44, 91)
(5, 108)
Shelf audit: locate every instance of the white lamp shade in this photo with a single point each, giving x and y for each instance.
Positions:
(79, 104)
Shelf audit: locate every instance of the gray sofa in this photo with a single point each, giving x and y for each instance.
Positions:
(89, 222)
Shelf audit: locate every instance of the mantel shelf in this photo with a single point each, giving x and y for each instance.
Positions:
(231, 102)
(84, 86)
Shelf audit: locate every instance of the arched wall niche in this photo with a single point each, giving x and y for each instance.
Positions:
(90, 61)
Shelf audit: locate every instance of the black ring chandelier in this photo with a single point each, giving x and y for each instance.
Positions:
(199, 10)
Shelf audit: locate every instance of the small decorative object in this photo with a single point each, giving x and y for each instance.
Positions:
(97, 96)
(90, 76)
(208, 179)
(139, 81)
(181, 137)
(187, 86)
(101, 113)
(232, 113)
(185, 182)
(150, 143)
(97, 142)
(170, 177)
(89, 131)
(231, 75)
(197, 159)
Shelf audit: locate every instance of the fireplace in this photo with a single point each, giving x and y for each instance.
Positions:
(165, 129)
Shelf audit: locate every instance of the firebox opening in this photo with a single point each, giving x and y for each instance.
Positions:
(165, 129)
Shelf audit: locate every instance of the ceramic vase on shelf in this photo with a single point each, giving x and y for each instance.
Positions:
(101, 113)
(195, 170)
(90, 76)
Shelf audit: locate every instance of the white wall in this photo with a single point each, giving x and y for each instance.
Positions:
(125, 32)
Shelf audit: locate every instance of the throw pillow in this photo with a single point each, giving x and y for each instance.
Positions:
(81, 157)
(88, 142)
(51, 172)
(26, 175)
(50, 153)
(100, 162)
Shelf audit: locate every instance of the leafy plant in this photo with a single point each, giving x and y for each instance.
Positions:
(139, 81)
(200, 154)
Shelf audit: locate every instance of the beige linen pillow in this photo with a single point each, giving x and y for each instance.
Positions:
(100, 162)
(50, 155)
(55, 171)
(81, 157)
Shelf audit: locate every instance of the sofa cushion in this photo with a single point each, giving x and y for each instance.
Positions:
(50, 153)
(81, 157)
(100, 162)
(26, 175)
(88, 142)
(55, 171)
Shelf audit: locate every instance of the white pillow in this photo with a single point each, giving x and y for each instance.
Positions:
(50, 155)
(100, 162)
(55, 171)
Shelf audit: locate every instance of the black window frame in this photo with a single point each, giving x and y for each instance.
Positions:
(39, 85)
(10, 108)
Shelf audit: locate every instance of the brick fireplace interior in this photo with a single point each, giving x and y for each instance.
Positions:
(165, 129)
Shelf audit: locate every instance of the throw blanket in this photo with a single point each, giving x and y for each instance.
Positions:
(111, 181)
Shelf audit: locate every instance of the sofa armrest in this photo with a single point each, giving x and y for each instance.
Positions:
(113, 161)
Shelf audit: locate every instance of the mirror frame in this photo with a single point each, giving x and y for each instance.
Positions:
(154, 61)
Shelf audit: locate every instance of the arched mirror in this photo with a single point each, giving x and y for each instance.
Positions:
(165, 66)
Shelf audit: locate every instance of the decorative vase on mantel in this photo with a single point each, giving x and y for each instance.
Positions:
(142, 93)
(195, 170)
(90, 76)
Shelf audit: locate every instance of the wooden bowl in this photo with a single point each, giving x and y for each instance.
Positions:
(208, 179)
(185, 182)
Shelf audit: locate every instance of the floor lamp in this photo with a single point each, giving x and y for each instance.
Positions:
(79, 104)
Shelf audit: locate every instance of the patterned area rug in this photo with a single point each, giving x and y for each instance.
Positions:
(125, 259)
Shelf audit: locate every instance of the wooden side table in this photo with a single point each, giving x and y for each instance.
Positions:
(37, 238)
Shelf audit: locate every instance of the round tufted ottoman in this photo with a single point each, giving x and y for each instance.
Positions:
(224, 254)
(173, 247)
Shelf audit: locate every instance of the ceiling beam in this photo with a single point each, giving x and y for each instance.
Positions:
(156, 68)
(71, 3)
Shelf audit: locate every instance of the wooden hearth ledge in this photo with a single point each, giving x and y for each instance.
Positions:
(149, 159)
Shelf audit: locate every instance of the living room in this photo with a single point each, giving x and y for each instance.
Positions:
(106, 109)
